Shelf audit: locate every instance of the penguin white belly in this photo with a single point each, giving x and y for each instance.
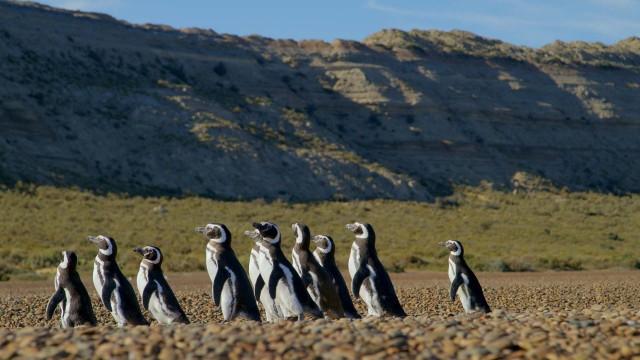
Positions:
(463, 290)
(317, 256)
(267, 302)
(286, 298)
(97, 281)
(212, 264)
(158, 308)
(370, 299)
(141, 280)
(265, 265)
(296, 262)
(228, 296)
(286, 302)
(65, 310)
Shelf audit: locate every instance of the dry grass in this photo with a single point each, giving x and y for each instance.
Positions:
(501, 231)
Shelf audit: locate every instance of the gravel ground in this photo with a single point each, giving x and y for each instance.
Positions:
(538, 315)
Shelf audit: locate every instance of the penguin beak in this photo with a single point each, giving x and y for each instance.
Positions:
(256, 225)
(93, 239)
(351, 227)
(200, 229)
(316, 239)
(443, 243)
(252, 234)
(139, 251)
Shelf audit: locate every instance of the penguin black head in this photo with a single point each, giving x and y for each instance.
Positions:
(302, 234)
(216, 233)
(324, 244)
(69, 261)
(454, 246)
(106, 245)
(150, 254)
(266, 231)
(362, 231)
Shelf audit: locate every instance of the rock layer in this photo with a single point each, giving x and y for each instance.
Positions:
(89, 101)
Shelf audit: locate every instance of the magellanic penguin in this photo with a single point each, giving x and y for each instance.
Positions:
(317, 280)
(369, 279)
(325, 255)
(230, 286)
(155, 292)
(260, 291)
(281, 279)
(463, 280)
(112, 287)
(74, 300)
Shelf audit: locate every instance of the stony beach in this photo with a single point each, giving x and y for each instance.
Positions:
(592, 314)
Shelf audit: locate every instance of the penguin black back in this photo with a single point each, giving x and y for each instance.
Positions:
(152, 284)
(71, 293)
(318, 282)
(325, 254)
(270, 241)
(464, 282)
(107, 278)
(229, 281)
(367, 272)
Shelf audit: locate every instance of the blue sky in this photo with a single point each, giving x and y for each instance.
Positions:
(523, 22)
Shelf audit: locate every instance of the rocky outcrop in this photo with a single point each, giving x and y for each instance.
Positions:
(89, 101)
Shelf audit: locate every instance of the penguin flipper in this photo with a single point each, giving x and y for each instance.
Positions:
(358, 279)
(151, 287)
(455, 284)
(56, 298)
(276, 274)
(107, 288)
(218, 283)
(258, 287)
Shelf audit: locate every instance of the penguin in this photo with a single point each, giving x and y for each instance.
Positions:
(156, 294)
(369, 279)
(260, 291)
(74, 300)
(114, 290)
(281, 279)
(317, 280)
(463, 280)
(325, 255)
(230, 286)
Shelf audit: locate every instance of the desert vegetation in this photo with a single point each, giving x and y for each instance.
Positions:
(502, 231)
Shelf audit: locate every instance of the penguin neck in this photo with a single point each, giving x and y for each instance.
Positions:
(367, 244)
(325, 258)
(457, 259)
(150, 267)
(103, 258)
(302, 244)
(216, 247)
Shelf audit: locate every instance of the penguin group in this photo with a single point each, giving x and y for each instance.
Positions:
(309, 286)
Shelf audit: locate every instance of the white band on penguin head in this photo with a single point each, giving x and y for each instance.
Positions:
(458, 250)
(327, 249)
(158, 256)
(365, 232)
(223, 235)
(298, 234)
(109, 250)
(65, 260)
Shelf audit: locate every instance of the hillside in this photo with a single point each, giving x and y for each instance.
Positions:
(97, 103)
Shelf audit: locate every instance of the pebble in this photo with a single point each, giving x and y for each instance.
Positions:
(541, 321)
